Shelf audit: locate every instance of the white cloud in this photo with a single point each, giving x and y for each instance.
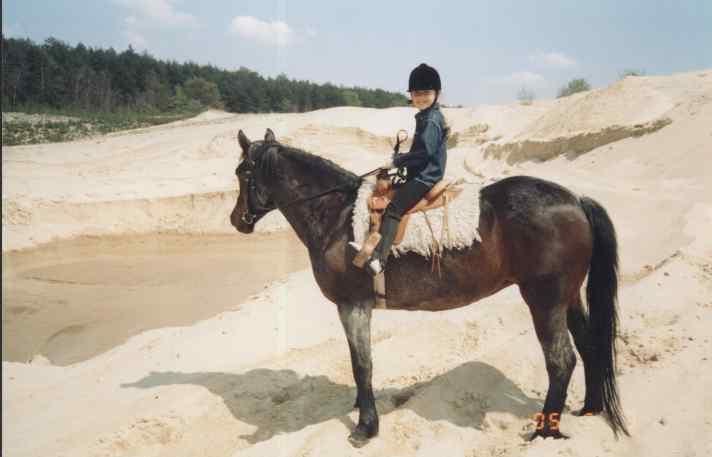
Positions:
(135, 39)
(522, 78)
(158, 12)
(552, 59)
(131, 31)
(275, 33)
(148, 15)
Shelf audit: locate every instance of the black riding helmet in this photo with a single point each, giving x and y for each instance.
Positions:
(424, 77)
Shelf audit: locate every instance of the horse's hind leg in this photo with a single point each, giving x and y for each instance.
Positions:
(548, 310)
(356, 320)
(579, 328)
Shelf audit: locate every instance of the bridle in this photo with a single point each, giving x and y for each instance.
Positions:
(249, 216)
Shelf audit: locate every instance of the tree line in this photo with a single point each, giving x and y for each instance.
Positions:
(63, 77)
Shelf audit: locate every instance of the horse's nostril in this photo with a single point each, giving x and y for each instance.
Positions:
(248, 219)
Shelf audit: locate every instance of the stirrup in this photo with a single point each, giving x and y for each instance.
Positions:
(364, 253)
(375, 267)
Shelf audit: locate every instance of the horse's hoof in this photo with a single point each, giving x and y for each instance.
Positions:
(557, 435)
(360, 436)
(586, 412)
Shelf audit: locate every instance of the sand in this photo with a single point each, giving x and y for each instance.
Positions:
(74, 299)
(270, 375)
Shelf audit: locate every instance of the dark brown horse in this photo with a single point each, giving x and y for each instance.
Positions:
(535, 234)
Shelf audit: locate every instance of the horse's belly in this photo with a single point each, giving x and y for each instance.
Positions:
(439, 301)
(464, 277)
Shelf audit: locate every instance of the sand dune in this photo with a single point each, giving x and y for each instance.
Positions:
(273, 377)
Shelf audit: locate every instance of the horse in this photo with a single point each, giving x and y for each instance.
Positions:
(534, 233)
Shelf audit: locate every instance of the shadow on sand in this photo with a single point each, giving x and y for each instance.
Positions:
(279, 401)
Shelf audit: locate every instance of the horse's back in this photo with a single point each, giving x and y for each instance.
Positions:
(523, 194)
(537, 227)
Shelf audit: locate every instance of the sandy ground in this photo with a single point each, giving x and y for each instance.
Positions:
(270, 374)
(72, 300)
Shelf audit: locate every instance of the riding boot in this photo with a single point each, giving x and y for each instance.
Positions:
(388, 231)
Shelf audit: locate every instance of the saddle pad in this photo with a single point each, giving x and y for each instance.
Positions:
(463, 218)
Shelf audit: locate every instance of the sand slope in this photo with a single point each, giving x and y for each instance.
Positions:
(273, 377)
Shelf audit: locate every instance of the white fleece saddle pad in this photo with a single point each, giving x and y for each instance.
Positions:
(463, 216)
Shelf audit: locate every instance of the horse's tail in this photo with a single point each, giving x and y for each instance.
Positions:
(601, 292)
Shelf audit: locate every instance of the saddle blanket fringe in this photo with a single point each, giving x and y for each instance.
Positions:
(463, 218)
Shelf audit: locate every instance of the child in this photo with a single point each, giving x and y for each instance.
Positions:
(425, 162)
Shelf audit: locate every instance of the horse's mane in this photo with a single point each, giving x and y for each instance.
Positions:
(322, 166)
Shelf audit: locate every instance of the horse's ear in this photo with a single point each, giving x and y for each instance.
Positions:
(244, 142)
(269, 136)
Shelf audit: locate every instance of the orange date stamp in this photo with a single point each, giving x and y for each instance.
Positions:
(541, 421)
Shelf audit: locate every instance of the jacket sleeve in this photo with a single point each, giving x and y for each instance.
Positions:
(431, 137)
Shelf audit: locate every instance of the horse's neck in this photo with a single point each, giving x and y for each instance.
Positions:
(315, 220)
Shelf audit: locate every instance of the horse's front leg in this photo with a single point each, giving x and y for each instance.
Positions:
(356, 319)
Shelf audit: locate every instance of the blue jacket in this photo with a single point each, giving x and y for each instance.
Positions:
(427, 157)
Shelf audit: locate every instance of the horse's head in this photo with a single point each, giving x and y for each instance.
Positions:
(254, 199)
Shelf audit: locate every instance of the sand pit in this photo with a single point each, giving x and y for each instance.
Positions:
(266, 371)
(69, 301)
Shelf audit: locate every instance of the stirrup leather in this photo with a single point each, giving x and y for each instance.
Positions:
(379, 289)
(368, 246)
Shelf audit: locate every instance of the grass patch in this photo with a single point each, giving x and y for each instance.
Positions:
(45, 126)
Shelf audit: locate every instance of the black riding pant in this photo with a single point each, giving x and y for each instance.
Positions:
(406, 197)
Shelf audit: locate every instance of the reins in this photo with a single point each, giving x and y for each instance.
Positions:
(333, 189)
(401, 136)
(249, 217)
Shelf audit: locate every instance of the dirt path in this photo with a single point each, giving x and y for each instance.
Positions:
(72, 300)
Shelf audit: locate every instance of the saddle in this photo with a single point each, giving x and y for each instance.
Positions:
(440, 195)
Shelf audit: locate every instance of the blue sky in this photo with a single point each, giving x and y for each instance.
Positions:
(485, 51)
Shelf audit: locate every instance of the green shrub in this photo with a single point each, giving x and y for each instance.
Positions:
(19, 131)
(525, 96)
(574, 86)
(631, 72)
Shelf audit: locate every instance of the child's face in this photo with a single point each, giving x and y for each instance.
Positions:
(422, 99)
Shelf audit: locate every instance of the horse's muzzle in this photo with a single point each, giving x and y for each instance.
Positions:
(243, 223)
